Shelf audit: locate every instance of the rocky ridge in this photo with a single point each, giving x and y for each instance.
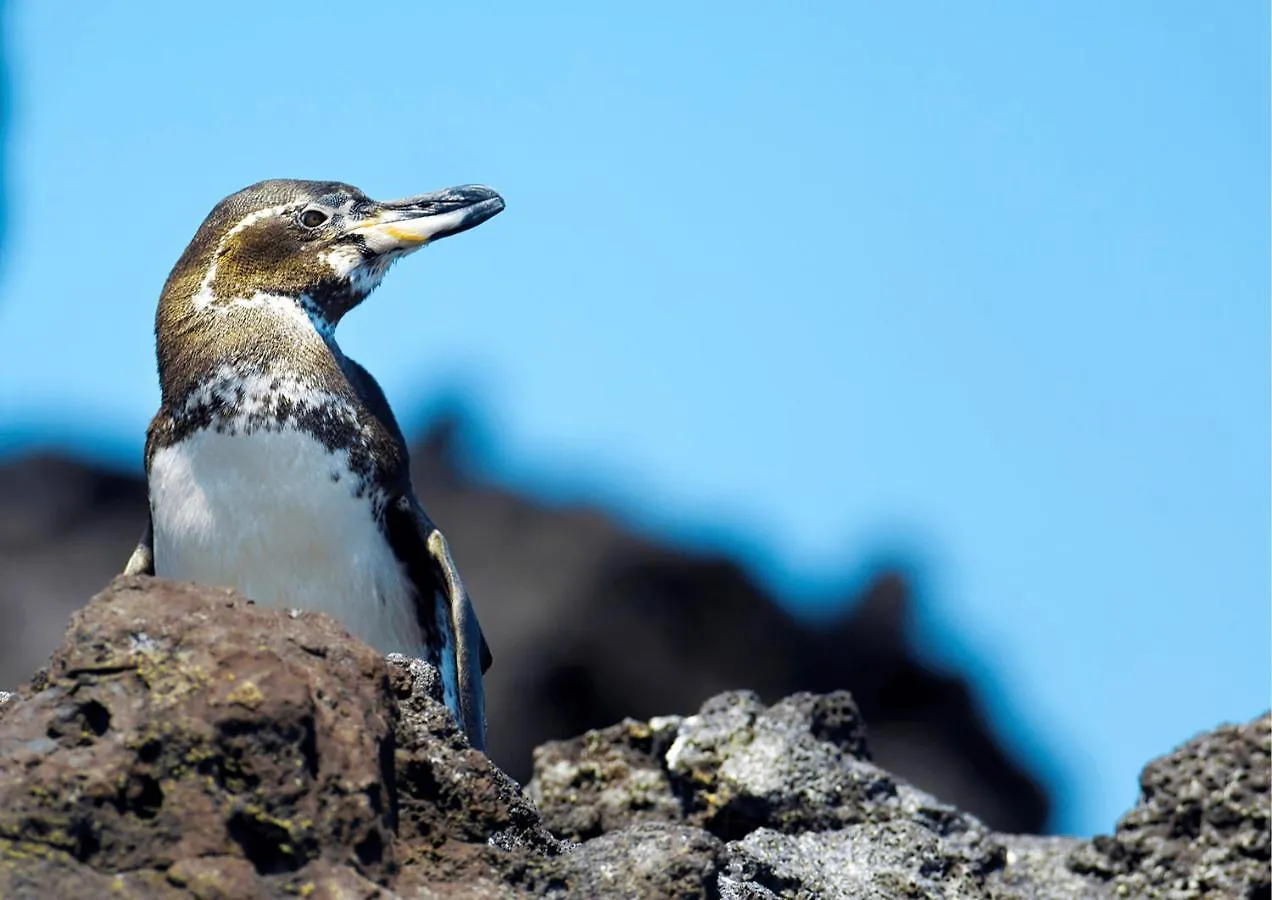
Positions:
(183, 743)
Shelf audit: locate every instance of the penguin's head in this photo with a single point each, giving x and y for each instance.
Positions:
(321, 246)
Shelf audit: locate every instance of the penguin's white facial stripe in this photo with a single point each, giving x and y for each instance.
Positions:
(251, 219)
(346, 262)
(364, 275)
(301, 315)
(343, 259)
(205, 298)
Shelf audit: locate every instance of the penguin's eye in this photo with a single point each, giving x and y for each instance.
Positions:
(312, 218)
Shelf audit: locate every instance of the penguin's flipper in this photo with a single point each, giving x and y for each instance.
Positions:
(142, 561)
(423, 551)
(472, 655)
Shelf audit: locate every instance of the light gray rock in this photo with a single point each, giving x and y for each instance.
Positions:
(875, 861)
(805, 814)
(1038, 868)
(647, 860)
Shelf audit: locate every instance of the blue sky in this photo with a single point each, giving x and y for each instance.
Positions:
(983, 287)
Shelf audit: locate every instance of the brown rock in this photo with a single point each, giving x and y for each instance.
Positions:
(168, 732)
(204, 746)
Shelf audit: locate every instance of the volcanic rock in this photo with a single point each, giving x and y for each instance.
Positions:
(185, 743)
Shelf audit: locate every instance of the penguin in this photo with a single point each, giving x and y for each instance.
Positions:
(274, 464)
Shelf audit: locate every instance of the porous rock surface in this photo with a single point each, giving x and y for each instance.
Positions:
(185, 743)
(1201, 826)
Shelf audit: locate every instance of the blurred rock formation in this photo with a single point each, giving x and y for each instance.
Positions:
(589, 622)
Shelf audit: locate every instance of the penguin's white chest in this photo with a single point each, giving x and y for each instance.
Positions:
(275, 515)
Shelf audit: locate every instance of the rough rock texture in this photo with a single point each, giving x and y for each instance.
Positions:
(588, 620)
(805, 813)
(791, 790)
(1201, 827)
(183, 743)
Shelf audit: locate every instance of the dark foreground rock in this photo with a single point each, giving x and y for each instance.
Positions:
(184, 743)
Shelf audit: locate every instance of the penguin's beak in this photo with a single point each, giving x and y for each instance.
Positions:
(408, 224)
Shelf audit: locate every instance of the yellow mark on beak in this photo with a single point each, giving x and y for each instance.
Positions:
(403, 235)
